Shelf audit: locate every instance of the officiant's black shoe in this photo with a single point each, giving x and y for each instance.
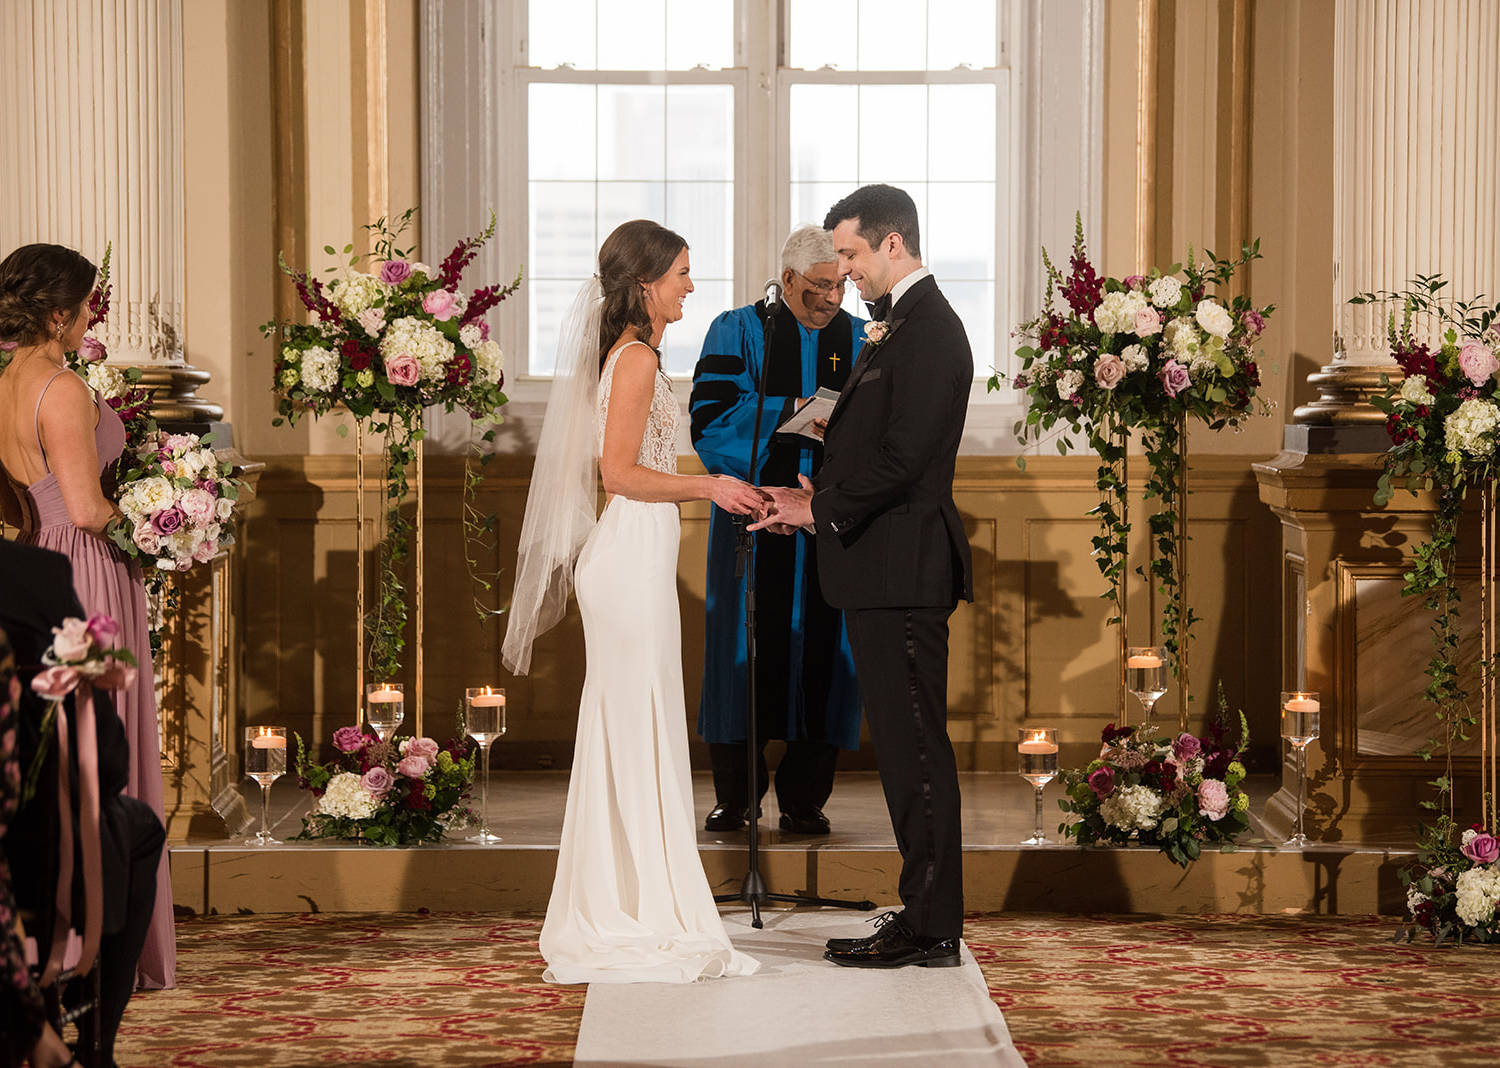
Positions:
(855, 943)
(897, 947)
(728, 817)
(809, 820)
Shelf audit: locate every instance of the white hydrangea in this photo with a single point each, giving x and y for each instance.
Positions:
(1214, 318)
(470, 335)
(432, 350)
(1136, 358)
(320, 369)
(355, 292)
(1181, 338)
(107, 382)
(1069, 382)
(1478, 891)
(1132, 808)
(1165, 292)
(488, 360)
(1117, 311)
(1414, 390)
(1471, 428)
(1468, 836)
(347, 797)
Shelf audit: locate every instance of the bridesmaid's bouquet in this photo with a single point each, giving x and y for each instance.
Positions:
(178, 497)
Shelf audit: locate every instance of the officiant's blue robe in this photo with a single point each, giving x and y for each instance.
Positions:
(805, 678)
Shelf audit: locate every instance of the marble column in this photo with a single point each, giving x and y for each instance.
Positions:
(1417, 175)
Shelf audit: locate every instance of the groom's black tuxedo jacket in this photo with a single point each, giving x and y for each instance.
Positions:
(889, 534)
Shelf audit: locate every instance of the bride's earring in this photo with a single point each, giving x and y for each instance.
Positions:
(59, 331)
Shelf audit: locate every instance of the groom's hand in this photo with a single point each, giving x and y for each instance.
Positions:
(792, 507)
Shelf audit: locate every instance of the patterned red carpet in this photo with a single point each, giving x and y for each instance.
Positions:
(465, 989)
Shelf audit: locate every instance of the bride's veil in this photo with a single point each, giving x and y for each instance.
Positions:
(561, 503)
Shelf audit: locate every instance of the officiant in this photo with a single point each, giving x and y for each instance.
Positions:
(805, 690)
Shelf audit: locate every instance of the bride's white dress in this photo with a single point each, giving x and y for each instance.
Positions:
(630, 902)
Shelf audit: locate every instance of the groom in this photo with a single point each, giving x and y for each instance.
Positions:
(893, 555)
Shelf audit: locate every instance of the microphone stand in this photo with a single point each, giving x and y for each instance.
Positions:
(753, 890)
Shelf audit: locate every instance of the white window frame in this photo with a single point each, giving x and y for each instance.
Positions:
(474, 88)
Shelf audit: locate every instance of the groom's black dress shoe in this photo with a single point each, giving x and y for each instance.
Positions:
(808, 820)
(855, 943)
(728, 817)
(895, 946)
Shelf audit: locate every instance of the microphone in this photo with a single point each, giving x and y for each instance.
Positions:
(773, 294)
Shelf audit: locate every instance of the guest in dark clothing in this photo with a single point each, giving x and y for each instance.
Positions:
(36, 594)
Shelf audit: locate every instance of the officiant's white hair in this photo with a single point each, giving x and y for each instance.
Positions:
(807, 246)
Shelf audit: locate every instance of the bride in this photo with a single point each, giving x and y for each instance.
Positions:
(630, 902)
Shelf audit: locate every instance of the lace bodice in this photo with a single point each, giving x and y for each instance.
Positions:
(659, 442)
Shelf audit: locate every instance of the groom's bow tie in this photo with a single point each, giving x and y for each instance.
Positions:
(880, 309)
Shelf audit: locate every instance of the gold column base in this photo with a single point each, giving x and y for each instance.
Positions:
(1344, 392)
(173, 397)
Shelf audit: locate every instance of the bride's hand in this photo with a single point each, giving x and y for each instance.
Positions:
(736, 497)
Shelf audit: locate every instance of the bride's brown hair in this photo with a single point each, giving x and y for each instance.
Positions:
(635, 255)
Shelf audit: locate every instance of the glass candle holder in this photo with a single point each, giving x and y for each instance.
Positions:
(1037, 749)
(385, 707)
(265, 762)
(1146, 670)
(1301, 718)
(484, 721)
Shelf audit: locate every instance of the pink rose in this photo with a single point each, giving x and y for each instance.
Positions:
(1253, 322)
(378, 781)
(403, 369)
(1102, 782)
(1477, 362)
(146, 540)
(1213, 799)
(484, 330)
(1147, 322)
(1186, 746)
(180, 442)
(348, 739)
(1135, 281)
(117, 675)
(56, 682)
(103, 629)
(394, 272)
(440, 304)
(1174, 378)
(875, 333)
(204, 551)
(413, 766)
(1482, 849)
(1109, 370)
(425, 748)
(198, 506)
(168, 521)
(91, 351)
(72, 640)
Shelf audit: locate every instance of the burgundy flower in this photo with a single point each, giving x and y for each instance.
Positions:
(348, 739)
(1111, 734)
(1102, 782)
(168, 521)
(1482, 849)
(394, 272)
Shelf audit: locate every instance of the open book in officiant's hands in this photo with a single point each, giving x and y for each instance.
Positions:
(816, 409)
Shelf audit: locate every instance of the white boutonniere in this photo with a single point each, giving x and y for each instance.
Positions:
(875, 332)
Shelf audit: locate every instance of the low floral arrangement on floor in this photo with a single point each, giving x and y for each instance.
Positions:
(82, 651)
(1110, 356)
(385, 344)
(1454, 892)
(1174, 794)
(387, 793)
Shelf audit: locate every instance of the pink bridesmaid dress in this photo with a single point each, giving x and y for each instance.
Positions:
(108, 581)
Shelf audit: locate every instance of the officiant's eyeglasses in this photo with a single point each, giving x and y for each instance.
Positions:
(823, 287)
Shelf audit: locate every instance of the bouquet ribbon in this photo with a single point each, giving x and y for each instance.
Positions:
(93, 874)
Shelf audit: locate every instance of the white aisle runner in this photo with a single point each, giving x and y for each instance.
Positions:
(799, 1009)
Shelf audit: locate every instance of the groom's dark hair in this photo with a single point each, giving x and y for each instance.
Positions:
(881, 210)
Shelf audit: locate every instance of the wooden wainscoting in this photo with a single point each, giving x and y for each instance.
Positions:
(1033, 648)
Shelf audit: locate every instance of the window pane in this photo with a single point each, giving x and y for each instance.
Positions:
(563, 236)
(961, 140)
(823, 34)
(561, 31)
(958, 236)
(549, 303)
(703, 213)
(632, 132)
(975, 304)
(811, 200)
(892, 119)
(683, 341)
(559, 118)
(960, 31)
(622, 201)
(892, 35)
(632, 36)
(700, 132)
(700, 32)
(824, 136)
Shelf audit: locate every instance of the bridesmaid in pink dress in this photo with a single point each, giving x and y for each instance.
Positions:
(56, 440)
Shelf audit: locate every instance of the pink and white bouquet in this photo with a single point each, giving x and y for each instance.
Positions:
(1172, 793)
(1455, 892)
(386, 793)
(178, 500)
(392, 339)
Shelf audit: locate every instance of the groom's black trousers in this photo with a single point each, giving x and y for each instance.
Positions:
(901, 658)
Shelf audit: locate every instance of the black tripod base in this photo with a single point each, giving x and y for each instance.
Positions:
(753, 892)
